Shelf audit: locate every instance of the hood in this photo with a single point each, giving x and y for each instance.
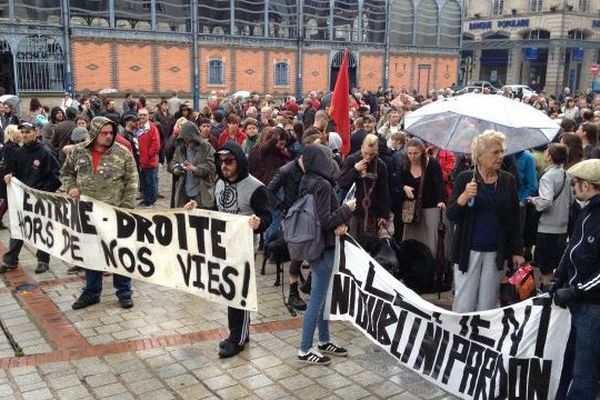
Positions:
(55, 110)
(317, 160)
(242, 161)
(97, 124)
(189, 130)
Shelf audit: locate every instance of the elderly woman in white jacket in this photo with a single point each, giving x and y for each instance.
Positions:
(553, 203)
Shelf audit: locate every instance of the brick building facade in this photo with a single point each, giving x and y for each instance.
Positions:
(149, 47)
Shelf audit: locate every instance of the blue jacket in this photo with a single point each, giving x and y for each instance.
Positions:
(580, 264)
(528, 176)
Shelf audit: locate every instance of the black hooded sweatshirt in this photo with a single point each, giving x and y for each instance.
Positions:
(319, 181)
(37, 167)
(246, 195)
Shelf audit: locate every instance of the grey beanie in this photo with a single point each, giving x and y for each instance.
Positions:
(79, 134)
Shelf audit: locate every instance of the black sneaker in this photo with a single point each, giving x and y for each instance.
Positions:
(332, 348)
(42, 267)
(296, 302)
(223, 343)
(126, 302)
(230, 350)
(84, 301)
(7, 267)
(314, 357)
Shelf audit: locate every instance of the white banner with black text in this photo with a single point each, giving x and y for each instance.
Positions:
(513, 352)
(205, 253)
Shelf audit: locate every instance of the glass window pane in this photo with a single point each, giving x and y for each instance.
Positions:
(374, 20)
(89, 12)
(133, 14)
(250, 17)
(282, 18)
(450, 25)
(213, 17)
(401, 22)
(215, 72)
(426, 23)
(316, 19)
(45, 11)
(4, 10)
(173, 15)
(345, 20)
(281, 74)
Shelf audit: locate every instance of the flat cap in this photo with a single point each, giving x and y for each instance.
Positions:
(588, 170)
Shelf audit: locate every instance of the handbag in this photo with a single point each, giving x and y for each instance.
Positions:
(411, 209)
(517, 287)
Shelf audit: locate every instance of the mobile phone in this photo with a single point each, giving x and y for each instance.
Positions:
(351, 193)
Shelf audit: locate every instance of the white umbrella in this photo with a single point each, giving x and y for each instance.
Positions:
(452, 123)
(108, 91)
(244, 94)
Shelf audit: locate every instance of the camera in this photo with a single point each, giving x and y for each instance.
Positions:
(178, 167)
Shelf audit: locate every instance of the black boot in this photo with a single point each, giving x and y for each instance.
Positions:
(294, 299)
(306, 285)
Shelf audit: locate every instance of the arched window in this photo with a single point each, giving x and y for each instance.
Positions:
(450, 25)
(282, 74)
(497, 7)
(40, 65)
(584, 5)
(216, 72)
(401, 22)
(426, 23)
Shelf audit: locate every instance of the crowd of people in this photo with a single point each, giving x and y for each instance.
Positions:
(502, 210)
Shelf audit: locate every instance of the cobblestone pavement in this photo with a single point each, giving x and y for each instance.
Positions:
(166, 346)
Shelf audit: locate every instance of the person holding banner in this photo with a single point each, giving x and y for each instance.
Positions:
(576, 284)
(319, 180)
(485, 209)
(35, 166)
(107, 172)
(238, 192)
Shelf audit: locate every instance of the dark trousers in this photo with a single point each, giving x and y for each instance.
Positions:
(239, 325)
(582, 356)
(11, 257)
(149, 177)
(93, 285)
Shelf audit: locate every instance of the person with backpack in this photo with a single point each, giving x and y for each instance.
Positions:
(332, 219)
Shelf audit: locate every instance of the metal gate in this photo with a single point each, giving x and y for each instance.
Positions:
(40, 65)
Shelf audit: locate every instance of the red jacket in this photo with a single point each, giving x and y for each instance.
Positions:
(447, 160)
(148, 147)
(224, 137)
(124, 142)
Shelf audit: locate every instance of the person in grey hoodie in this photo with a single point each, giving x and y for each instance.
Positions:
(318, 181)
(194, 162)
(553, 204)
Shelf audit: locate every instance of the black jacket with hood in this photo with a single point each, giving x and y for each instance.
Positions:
(319, 181)
(37, 167)
(259, 196)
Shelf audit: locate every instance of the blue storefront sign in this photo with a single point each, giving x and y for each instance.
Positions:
(513, 23)
(578, 54)
(503, 24)
(596, 24)
(480, 25)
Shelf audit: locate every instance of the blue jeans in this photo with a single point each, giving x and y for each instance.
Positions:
(93, 285)
(313, 317)
(149, 177)
(585, 330)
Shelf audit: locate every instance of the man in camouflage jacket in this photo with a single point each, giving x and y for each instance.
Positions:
(105, 171)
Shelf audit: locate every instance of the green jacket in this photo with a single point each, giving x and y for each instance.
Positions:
(115, 181)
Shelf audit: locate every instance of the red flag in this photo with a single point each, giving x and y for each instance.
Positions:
(339, 109)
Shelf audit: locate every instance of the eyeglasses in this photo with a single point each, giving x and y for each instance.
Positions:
(227, 161)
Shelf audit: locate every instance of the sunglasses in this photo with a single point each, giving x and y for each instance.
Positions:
(227, 161)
